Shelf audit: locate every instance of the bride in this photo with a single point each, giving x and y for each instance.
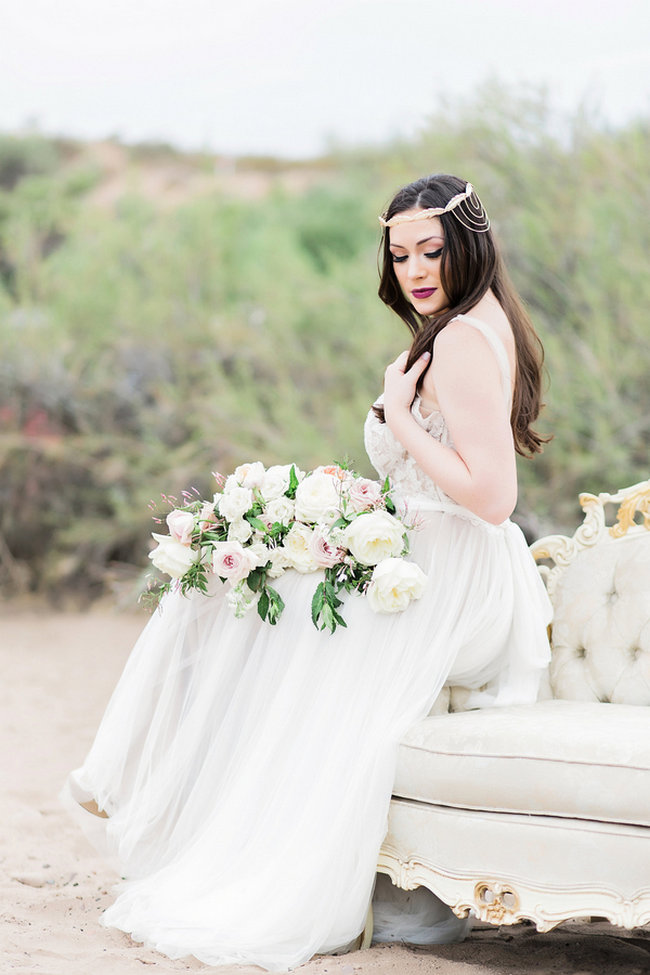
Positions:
(242, 773)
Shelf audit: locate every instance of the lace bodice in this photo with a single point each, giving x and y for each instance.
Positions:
(390, 459)
(388, 456)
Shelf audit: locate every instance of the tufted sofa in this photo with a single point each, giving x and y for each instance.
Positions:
(543, 811)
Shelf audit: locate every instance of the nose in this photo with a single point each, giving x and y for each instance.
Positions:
(415, 268)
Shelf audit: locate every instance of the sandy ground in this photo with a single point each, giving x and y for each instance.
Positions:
(57, 674)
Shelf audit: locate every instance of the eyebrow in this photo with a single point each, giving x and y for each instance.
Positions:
(423, 241)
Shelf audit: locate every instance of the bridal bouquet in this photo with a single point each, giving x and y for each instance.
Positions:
(263, 522)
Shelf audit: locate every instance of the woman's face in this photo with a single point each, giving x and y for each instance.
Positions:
(416, 248)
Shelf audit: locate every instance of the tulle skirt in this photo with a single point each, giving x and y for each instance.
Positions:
(247, 769)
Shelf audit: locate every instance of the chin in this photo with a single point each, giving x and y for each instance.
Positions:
(429, 308)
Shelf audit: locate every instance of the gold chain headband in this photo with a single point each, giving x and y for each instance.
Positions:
(465, 206)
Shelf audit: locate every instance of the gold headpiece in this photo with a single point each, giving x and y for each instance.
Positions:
(465, 206)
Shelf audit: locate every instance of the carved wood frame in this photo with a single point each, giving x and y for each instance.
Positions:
(562, 549)
(504, 900)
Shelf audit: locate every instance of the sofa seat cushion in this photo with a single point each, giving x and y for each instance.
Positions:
(557, 758)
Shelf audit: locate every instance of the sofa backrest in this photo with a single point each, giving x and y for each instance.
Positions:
(599, 583)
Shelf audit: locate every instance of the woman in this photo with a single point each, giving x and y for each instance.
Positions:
(245, 771)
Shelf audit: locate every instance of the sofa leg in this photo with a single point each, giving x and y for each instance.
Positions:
(366, 937)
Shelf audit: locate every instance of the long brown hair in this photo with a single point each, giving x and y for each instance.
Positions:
(470, 265)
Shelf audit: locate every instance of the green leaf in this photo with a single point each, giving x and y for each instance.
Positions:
(254, 579)
(317, 603)
(276, 605)
(263, 604)
(328, 618)
(293, 483)
(255, 522)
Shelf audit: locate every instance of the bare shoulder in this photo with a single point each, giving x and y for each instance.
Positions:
(462, 336)
(458, 338)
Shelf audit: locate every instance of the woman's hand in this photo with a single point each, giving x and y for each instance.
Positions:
(399, 386)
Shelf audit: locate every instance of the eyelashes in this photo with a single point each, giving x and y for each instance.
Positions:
(433, 255)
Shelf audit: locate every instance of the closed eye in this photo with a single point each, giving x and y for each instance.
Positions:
(400, 258)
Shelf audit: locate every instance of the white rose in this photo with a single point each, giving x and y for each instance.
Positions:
(246, 475)
(374, 537)
(363, 494)
(297, 548)
(171, 556)
(259, 552)
(280, 509)
(235, 503)
(329, 516)
(239, 530)
(316, 495)
(279, 562)
(232, 561)
(275, 481)
(394, 584)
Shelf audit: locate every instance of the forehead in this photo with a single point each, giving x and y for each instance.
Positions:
(410, 233)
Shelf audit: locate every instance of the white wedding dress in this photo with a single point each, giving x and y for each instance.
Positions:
(247, 769)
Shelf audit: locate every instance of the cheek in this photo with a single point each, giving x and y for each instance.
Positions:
(400, 275)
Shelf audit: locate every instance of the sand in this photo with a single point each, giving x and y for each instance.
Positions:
(57, 673)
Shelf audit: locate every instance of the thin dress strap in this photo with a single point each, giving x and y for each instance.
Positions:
(499, 349)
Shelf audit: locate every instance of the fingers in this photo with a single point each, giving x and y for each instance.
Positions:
(401, 360)
(418, 366)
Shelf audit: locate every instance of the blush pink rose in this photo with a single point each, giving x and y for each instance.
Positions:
(324, 552)
(181, 525)
(230, 560)
(364, 494)
(207, 517)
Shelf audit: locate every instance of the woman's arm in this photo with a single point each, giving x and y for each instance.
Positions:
(480, 471)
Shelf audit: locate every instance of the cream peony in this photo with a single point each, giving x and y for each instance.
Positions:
(232, 561)
(171, 556)
(316, 495)
(394, 584)
(235, 503)
(297, 548)
(374, 537)
(181, 525)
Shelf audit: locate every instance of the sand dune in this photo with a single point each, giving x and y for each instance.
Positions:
(57, 673)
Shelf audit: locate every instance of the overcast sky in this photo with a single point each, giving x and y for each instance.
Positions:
(286, 76)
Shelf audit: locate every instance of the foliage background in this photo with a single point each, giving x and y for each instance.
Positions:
(163, 315)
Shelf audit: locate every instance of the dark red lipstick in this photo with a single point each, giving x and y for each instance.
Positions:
(423, 292)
